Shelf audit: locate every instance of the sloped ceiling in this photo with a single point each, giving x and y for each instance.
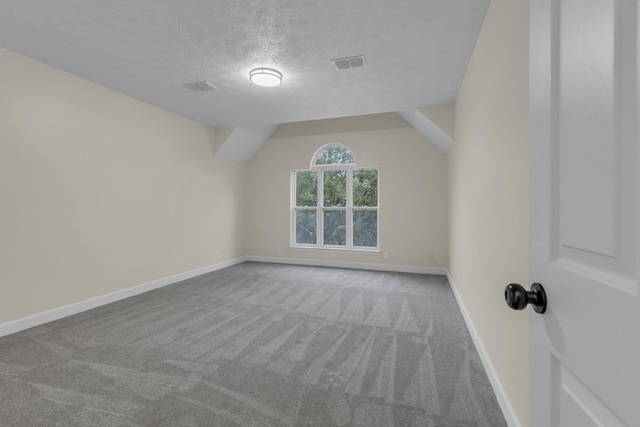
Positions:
(239, 145)
(416, 52)
(428, 128)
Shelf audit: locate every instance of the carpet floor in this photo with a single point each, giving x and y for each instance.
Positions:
(256, 345)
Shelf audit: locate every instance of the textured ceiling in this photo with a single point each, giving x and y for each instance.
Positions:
(416, 51)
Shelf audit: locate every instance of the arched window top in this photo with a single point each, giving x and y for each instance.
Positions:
(334, 154)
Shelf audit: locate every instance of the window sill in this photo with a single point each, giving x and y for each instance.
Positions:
(372, 251)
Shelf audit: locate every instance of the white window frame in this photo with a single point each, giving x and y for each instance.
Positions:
(320, 209)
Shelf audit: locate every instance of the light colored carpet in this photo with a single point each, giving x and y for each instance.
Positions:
(256, 345)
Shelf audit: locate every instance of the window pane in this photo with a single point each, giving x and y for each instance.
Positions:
(335, 188)
(306, 227)
(306, 188)
(335, 155)
(365, 187)
(365, 228)
(335, 228)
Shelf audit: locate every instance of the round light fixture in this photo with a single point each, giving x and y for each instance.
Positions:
(265, 77)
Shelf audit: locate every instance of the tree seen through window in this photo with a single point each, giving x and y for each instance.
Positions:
(336, 204)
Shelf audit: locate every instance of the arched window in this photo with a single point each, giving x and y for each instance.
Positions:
(335, 154)
(335, 203)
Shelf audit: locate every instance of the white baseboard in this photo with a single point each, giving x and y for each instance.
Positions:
(68, 310)
(503, 400)
(354, 265)
(71, 309)
(58, 313)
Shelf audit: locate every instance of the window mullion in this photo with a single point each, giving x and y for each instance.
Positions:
(335, 162)
(294, 186)
(349, 212)
(320, 209)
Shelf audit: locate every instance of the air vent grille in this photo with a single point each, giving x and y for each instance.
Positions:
(350, 62)
(200, 86)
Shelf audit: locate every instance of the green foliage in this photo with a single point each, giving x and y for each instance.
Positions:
(365, 194)
(365, 187)
(306, 188)
(365, 228)
(335, 188)
(335, 228)
(335, 155)
(306, 227)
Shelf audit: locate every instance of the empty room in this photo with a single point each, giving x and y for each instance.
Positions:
(319, 213)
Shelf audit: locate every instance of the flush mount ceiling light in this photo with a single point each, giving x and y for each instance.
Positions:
(265, 77)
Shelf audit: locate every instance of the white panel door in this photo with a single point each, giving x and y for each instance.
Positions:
(585, 213)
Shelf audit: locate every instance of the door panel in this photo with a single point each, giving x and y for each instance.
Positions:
(586, 59)
(578, 406)
(585, 209)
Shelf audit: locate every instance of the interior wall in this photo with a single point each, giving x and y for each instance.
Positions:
(489, 193)
(441, 116)
(412, 188)
(100, 192)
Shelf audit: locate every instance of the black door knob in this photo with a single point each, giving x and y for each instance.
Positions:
(518, 297)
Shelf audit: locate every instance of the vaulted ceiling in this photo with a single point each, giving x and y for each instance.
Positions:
(416, 52)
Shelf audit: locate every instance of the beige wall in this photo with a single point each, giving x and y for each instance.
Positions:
(413, 198)
(489, 196)
(100, 192)
(441, 116)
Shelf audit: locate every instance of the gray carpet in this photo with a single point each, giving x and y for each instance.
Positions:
(256, 345)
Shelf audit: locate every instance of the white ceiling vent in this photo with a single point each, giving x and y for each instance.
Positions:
(200, 86)
(350, 62)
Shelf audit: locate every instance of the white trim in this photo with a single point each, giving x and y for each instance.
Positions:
(349, 212)
(58, 313)
(346, 264)
(314, 159)
(501, 395)
(320, 208)
(329, 248)
(78, 307)
(319, 211)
